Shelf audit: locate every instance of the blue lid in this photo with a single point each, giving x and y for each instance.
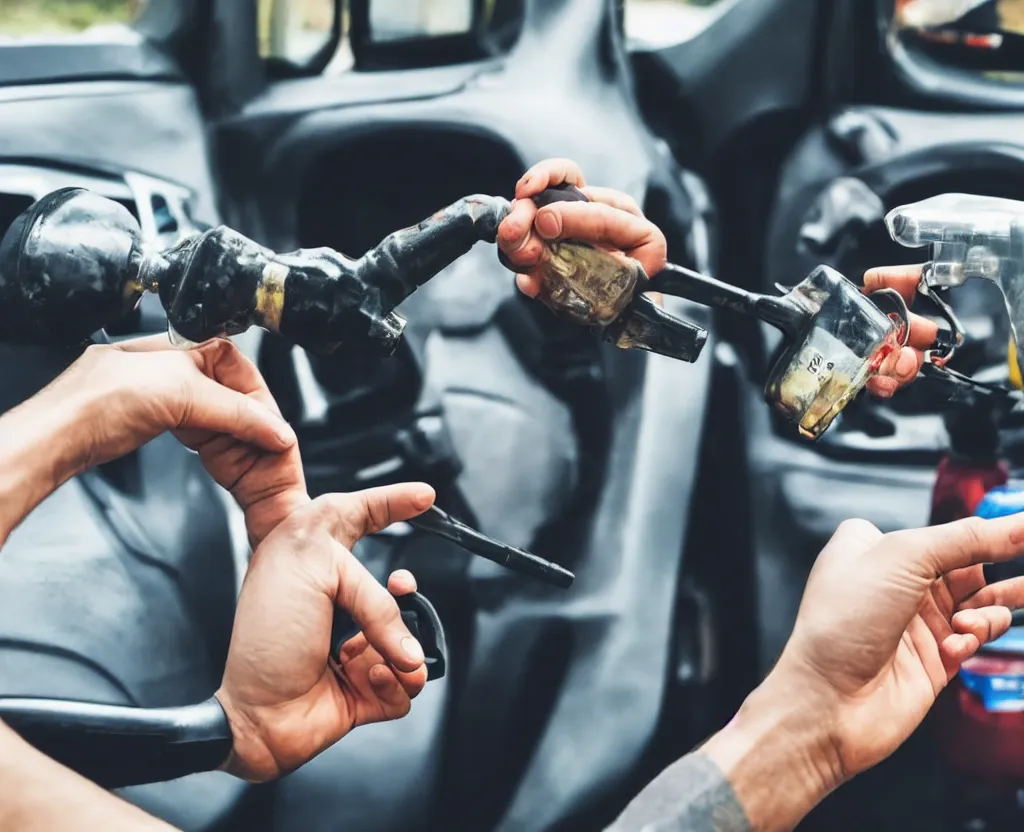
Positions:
(1011, 642)
(1002, 693)
(1002, 501)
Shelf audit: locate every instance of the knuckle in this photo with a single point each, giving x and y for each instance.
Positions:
(974, 529)
(856, 526)
(402, 706)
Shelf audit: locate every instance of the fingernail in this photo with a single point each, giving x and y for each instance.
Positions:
(905, 364)
(884, 388)
(424, 499)
(412, 649)
(286, 434)
(548, 225)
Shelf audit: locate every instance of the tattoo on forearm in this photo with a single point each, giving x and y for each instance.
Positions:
(691, 795)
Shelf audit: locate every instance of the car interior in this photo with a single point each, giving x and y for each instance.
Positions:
(770, 141)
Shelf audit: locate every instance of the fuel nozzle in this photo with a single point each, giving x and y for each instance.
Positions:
(967, 236)
(835, 337)
(75, 262)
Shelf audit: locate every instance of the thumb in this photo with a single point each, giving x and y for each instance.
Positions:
(367, 512)
(213, 407)
(938, 550)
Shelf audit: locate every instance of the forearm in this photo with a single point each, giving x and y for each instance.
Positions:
(37, 455)
(764, 771)
(38, 794)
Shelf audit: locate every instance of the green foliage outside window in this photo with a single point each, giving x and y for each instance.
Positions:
(33, 18)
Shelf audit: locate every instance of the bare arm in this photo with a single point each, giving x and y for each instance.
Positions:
(38, 794)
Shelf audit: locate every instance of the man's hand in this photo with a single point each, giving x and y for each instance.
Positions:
(611, 220)
(901, 368)
(284, 701)
(117, 397)
(268, 485)
(885, 623)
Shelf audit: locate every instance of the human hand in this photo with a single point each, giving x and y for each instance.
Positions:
(216, 403)
(611, 220)
(115, 398)
(887, 620)
(902, 367)
(285, 702)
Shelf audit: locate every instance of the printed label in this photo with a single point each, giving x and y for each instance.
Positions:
(817, 365)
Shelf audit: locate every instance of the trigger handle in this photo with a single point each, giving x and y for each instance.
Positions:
(419, 615)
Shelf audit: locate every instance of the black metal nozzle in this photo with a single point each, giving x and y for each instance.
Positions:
(435, 521)
(780, 312)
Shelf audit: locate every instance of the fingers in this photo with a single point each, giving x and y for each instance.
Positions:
(515, 235)
(1008, 593)
(213, 407)
(374, 609)
(401, 582)
(230, 370)
(937, 550)
(904, 279)
(955, 649)
(897, 370)
(856, 533)
(985, 624)
(394, 700)
(601, 224)
(529, 285)
(353, 516)
(923, 332)
(548, 174)
(617, 199)
(227, 364)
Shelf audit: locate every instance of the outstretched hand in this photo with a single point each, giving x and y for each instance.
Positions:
(887, 620)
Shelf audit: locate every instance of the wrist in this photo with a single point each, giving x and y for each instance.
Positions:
(38, 454)
(247, 744)
(777, 752)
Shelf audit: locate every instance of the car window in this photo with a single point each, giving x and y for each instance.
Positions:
(981, 37)
(657, 23)
(47, 20)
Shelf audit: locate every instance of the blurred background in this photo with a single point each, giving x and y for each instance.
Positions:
(765, 137)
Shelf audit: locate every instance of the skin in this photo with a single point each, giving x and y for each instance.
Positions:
(284, 700)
